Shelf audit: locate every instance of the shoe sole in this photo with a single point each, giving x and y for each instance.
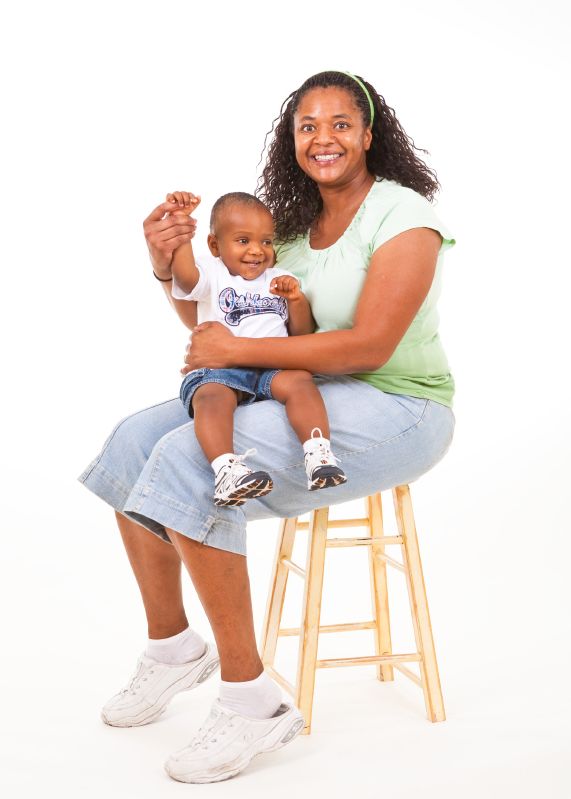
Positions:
(330, 481)
(259, 488)
(154, 714)
(292, 732)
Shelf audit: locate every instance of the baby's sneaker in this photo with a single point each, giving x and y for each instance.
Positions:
(235, 483)
(321, 464)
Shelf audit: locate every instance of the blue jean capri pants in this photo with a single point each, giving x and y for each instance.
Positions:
(153, 470)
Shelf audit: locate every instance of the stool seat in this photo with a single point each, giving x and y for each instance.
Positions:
(384, 660)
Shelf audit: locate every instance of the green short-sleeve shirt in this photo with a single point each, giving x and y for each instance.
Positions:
(332, 280)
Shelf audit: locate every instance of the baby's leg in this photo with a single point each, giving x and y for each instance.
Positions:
(304, 406)
(306, 411)
(214, 405)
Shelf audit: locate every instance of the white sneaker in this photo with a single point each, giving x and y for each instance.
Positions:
(226, 743)
(235, 483)
(153, 686)
(321, 464)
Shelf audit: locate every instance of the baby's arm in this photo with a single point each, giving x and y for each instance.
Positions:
(301, 319)
(183, 266)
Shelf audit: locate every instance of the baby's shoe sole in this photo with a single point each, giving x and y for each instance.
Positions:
(327, 477)
(258, 487)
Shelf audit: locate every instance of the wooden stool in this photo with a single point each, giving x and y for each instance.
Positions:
(308, 634)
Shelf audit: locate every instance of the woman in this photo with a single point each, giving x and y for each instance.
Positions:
(350, 199)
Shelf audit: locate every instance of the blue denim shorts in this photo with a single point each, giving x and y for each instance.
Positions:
(153, 470)
(254, 383)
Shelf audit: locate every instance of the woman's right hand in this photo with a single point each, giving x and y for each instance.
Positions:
(167, 227)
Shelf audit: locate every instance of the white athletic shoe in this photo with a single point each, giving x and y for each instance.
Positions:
(235, 483)
(153, 686)
(321, 464)
(226, 743)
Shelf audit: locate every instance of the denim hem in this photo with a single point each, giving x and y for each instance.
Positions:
(156, 511)
(265, 383)
(251, 395)
(104, 485)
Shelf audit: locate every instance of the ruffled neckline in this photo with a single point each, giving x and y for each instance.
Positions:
(357, 216)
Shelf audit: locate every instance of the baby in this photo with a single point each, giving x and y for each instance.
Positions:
(239, 286)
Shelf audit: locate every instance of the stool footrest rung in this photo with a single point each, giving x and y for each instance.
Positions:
(368, 659)
(408, 673)
(289, 564)
(333, 628)
(390, 561)
(363, 542)
(336, 523)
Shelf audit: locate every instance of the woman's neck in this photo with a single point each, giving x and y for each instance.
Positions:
(338, 200)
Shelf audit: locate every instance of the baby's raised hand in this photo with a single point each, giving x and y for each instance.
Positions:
(182, 202)
(287, 287)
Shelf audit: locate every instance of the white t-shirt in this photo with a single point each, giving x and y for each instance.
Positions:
(245, 307)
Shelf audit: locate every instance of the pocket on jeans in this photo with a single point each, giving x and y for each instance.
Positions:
(416, 406)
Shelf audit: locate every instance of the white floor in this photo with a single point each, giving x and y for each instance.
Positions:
(500, 624)
(368, 740)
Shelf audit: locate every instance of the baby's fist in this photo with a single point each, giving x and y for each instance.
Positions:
(183, 202)
(287, 287)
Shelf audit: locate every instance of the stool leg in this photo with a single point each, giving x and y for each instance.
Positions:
(379, 589)
(309, 632)
(276, 595)
(419, 605)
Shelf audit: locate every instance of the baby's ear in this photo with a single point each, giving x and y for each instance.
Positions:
(213, 245)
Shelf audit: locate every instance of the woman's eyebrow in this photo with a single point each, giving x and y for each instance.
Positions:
(334, 116)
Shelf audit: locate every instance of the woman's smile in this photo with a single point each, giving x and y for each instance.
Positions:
(326, 159)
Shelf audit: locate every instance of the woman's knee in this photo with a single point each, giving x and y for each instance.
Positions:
(139, 432)
(178, 450)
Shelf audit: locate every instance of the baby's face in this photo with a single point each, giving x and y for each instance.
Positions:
(243, 240)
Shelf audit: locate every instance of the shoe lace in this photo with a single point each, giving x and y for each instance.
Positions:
(235, 469)
(206, 735)
(237, 462)
(140, 676)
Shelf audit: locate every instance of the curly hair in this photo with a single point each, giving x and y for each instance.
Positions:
(294, 198)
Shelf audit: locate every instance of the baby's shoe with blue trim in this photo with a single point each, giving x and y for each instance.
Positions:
(321, 464)
(235, 482)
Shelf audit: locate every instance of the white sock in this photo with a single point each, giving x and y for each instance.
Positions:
(257, 699)
(177, 649)
(221, 461)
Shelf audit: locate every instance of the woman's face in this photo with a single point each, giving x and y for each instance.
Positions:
(330, 137)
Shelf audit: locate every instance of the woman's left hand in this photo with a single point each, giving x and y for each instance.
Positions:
(210, 347)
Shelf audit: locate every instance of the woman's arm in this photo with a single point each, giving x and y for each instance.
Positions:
(399, 278)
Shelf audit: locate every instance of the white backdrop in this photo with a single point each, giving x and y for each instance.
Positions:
(106, 107)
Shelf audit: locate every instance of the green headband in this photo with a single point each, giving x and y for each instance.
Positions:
(368, 96)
